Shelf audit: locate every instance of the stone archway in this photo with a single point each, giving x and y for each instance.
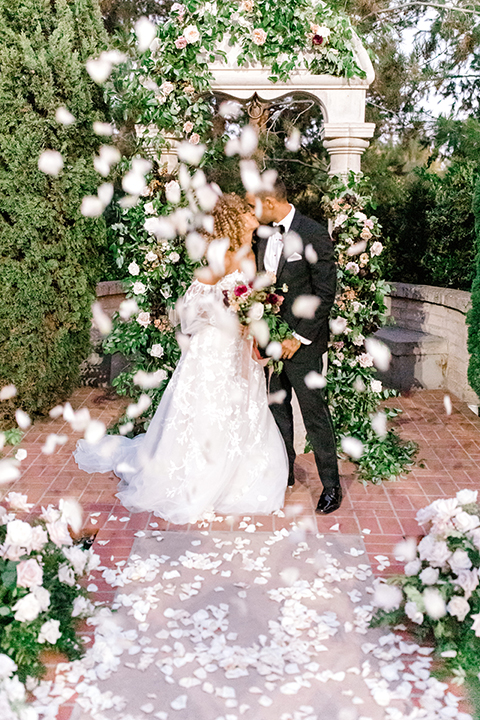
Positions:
(345, 133)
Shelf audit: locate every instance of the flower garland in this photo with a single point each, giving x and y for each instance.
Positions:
(168, 84)
(438, 597)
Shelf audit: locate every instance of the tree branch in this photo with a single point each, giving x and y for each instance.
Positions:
(418, 3)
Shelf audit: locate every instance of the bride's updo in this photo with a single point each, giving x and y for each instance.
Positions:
(228, 220)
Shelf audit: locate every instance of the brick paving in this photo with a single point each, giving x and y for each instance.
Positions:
(448, 460)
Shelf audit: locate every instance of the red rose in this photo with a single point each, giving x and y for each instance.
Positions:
(240, 290)
(317, 40)
(272, 298)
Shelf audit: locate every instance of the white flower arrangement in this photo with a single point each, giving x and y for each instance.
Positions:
(440, 592)
(40, 596)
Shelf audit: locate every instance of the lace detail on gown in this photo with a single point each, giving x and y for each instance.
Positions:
(213, 444)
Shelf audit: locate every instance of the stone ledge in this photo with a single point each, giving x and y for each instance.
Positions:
(454, 299)
(110, 287)
(402, 341)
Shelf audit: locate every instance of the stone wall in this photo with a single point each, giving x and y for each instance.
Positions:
(440, 312)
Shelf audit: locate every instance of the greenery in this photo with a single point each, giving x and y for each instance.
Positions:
(438, 597)
(473, 316)
(354, 390)
(49, 252)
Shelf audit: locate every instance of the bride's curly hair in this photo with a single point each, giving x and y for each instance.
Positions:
(227, 220)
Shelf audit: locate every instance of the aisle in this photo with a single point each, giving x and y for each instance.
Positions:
(263, 626)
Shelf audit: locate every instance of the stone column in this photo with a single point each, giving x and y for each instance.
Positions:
(346, 145)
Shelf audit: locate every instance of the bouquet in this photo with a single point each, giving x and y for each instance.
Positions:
(257, 307)
(439, 594)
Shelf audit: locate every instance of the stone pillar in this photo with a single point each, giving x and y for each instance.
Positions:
(346, 145)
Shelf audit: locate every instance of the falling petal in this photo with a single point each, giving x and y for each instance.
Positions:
(102, 128)
(216, 256)
(9, 471)
(133, 183)
(105, 193)
(248, 141)
(232, 147)
(207, 197)
(92, 206)
(310, 254)
(145, 32)
(196, 245)
(191, 154)
(380, 352)
(277, 398)
(387, 597)
(149, 380)
(21, 454)
(7, 392)
(64, 116)
(406, 550)
(136, 409)
(23, 420)
(352, 446)
(304, 306)
(95, 431)
(260, 331)
(99, 70)
(314, 380)
(230, 109)
(128, 308)
(292, 143)
(251, 179)
(50, 162)
(447, 404)
(101, 319)
(357, 249)
(292, 243)
(173, 192)
(50, 445)
(379, 424)
(274, 350)
(72, 513)
(338, 325)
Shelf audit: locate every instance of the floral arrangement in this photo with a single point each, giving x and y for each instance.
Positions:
(355, 392)
(169, 82)
(439, 596)
(40, 597)
(257, 306)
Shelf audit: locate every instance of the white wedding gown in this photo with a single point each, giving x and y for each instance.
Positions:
(212, 444)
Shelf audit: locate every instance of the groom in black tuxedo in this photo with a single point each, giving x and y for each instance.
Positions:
(310, 271)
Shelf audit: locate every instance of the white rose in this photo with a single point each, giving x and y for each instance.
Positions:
(412, 567)
(434, 603)
(191, 34)
(94, 561)
(376, 386)
(139, 288)
(133, 269)
(50, 632)
(66, 575)
(7, 666)
(12, 552)
(468, 581)
(17, 501)
(458, 607)
(150, 256)
(18, 533)
(156, 350)
(29, 573)
(15, 691)
(50, 514)
(465, 521)
(467, 497)
(143, 319)
(474, 536)
(167, 87)
(435, 553)
(412, 611)
(174, 257)
(77, 557)
(352, 267)
(59, 534)
(43, 597)
(460, 561)
(340, 219)
(429, 576)
(173, 192)
(150, 210)
(358, 215)
(256, 311)
(39, 538)
(365, 360)
(27, 608)
(376, 248)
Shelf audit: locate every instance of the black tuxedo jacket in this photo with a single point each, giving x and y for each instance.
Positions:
(305, 278)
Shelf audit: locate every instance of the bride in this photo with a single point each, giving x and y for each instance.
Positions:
(212, 444)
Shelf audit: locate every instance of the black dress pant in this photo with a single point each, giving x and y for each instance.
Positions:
(315, 413)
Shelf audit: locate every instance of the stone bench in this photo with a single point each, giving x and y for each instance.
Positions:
(419, 359)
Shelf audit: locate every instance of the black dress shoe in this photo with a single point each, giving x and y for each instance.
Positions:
(330, 500)
(291, 480)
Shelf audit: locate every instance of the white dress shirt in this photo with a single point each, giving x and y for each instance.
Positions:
(273, 253)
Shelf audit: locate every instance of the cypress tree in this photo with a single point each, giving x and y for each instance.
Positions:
(49, 252)
(473, 316)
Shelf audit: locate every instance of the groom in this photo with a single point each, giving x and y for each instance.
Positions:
(309, 272)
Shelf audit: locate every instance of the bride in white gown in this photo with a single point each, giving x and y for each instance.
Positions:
(212, 444)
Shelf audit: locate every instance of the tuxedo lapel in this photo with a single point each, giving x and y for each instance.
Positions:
(296, 222)
(262, 246)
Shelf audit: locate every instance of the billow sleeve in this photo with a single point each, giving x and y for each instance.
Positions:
(201, 305)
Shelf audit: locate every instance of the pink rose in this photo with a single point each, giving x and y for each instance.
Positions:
(188, 126)
(240, 290)
(29, 573)
(181, 42)
(194, 139)
(259, 36)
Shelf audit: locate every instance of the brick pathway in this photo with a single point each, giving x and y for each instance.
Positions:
(448, 460)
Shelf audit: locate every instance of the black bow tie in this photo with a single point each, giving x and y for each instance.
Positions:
(281, 229)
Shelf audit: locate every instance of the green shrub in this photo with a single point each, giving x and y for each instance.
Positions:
(48, 251)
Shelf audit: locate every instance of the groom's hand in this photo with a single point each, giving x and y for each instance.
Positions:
(290, 347)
